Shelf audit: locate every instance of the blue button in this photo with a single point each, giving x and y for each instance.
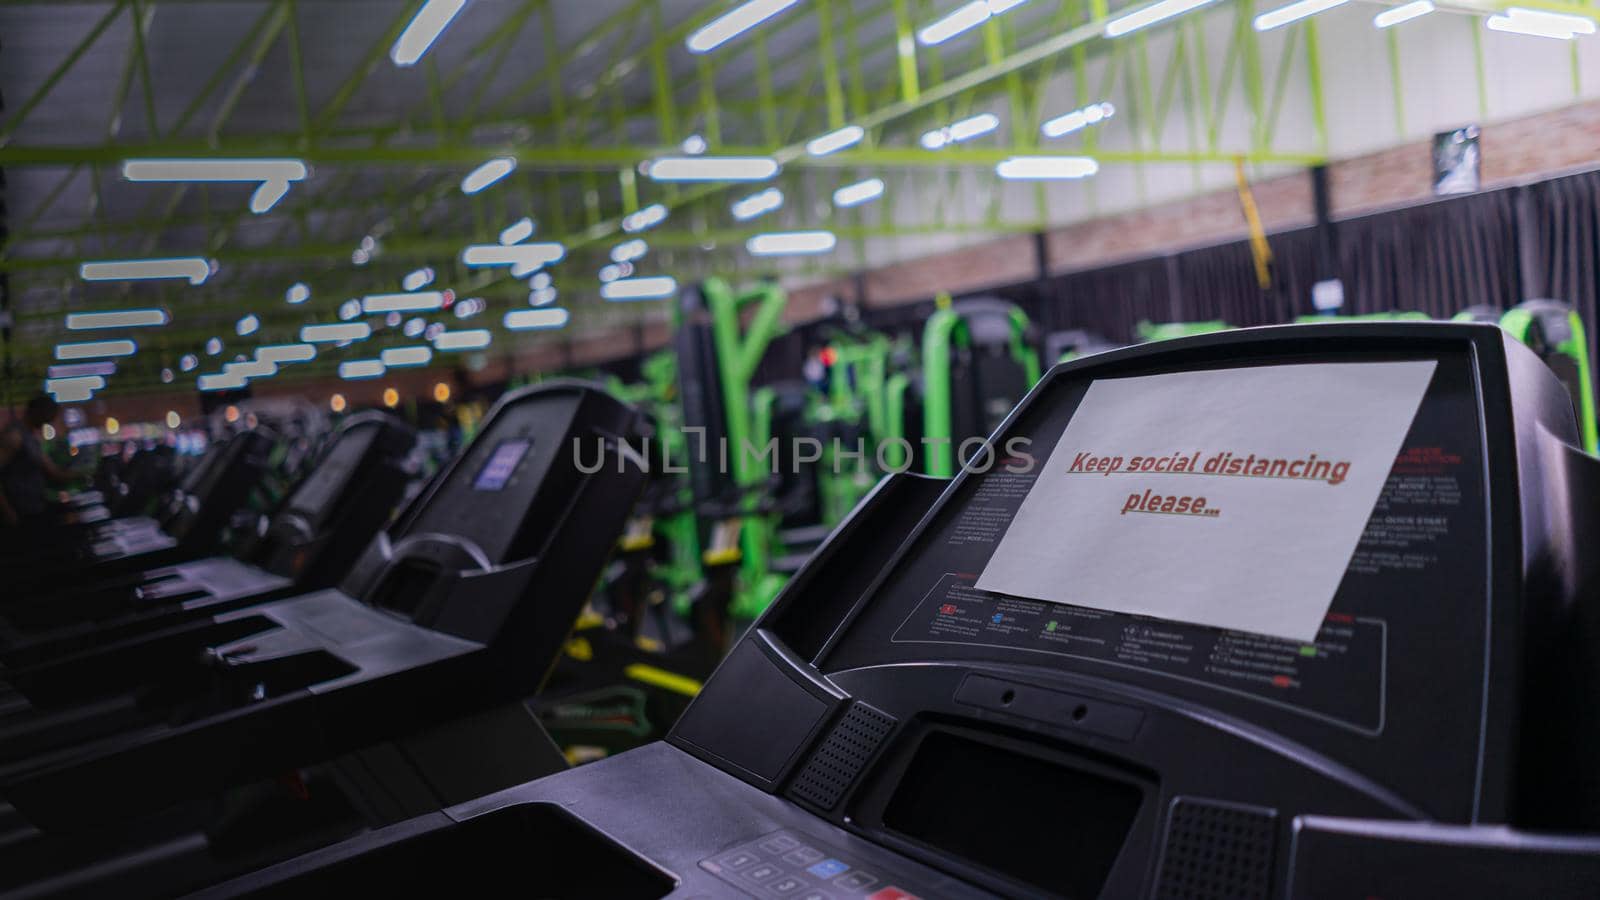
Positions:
(828, 868)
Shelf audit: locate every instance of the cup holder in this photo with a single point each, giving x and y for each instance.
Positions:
(531, 849)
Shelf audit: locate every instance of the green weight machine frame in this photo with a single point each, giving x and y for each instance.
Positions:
(749, 426)
(947, 329)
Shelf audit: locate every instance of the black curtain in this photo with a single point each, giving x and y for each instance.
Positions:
(1220, 282)
(1438, 258)
(1561, 244)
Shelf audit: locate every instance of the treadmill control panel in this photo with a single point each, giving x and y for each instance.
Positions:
(1366, 690)
(792, 865)
(493, 496)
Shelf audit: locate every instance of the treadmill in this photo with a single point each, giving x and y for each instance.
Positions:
(888, 730)
(459, 610)
(310, 542)
(190, 523)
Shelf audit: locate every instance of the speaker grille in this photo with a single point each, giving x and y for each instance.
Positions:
(1217, 851)
(842, 755)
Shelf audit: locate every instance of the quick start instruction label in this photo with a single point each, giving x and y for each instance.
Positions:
(1232, 498)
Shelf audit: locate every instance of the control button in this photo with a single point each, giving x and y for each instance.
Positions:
(805, 856)
(828, 868)
(780, 844)
(857, 881)
(892, 893)
(763, 872)
(737, 860)
(817, 895)
(787, 885)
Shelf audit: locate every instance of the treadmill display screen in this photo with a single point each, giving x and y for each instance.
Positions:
(1396, 670)
(1054, 827)
(497, 471)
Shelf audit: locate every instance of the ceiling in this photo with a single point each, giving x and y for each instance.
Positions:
(578, 93)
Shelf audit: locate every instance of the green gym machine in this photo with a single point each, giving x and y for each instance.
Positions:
(1165, 331)
(1555, 331)
(717, 359)
(977, 363)
(1398, 315)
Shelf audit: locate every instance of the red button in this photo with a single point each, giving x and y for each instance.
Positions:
(892, 893)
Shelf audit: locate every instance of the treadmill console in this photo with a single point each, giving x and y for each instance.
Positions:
(527, 452)
(1075, 745)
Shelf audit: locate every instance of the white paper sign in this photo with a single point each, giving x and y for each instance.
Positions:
(1232, 498)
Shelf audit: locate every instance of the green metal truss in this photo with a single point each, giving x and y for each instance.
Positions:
(578, 145)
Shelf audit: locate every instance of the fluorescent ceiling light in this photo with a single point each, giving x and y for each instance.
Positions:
(417, 280)
(188, 362)
(1079, 119)
(193, 268)
(628, 251)
(733, 23)
(1294, 12)
(466, 309)
(400, 357)
(964, 130)
(470, 339)
(213, 346)
(94, 349)
(421, 301)
(275, 175)
(542, 296)
(287, 353)
(221, 381)
(487, 174)
(360, 369)
(1537, 23)
(528, 257)
(517, 231)
(74, 390)
(526, 319)
(640, 288)
(424, 28)
(781, 243)
(350, 309)
(76, 370)
(964, 18)
(297, 293)
(757, 204)
(609, 272)
(327, 334)
(249, 324)
(1149, 15)
(858, 193)
(433, 330)
(712, 168)
(1046, 167)
(414, 326)
(255, 368)
(649, 217)
(540, 280)
(694, 145)
(834, 141)
(1404, 13)
(127, 318)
